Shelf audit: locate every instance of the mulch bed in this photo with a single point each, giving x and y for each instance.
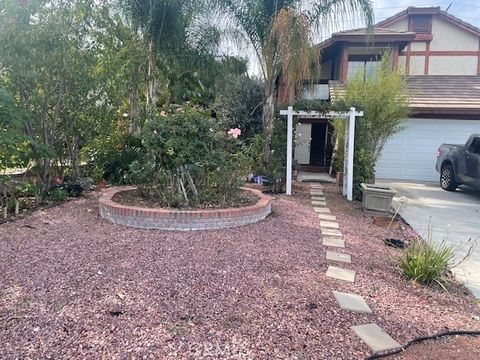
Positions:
(73, 285)
(238, 198)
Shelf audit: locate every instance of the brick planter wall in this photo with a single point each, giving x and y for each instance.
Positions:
(184, 220)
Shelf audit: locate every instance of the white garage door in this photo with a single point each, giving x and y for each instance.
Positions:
(411, 154)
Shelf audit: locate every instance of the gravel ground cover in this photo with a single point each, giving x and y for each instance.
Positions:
(73, 285)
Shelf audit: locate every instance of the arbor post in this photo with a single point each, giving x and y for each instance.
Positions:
(289, 150)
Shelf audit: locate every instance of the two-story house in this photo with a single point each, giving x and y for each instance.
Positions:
(439, 53)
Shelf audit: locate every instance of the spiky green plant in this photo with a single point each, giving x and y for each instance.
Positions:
(427, 263)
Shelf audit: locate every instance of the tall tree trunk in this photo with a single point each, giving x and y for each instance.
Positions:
(267, 119)
(134, 100)
(152, 84)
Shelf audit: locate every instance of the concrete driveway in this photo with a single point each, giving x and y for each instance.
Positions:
(451, 215)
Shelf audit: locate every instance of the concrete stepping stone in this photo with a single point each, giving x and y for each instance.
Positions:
(341, 274)
(318, 203)
(352, 302)
(334, 256)
(316, 192)
(327, 217)
(375, 337)
(322, 210)
(333, 242)
(316, 186)
(331, 232)
(329, 224)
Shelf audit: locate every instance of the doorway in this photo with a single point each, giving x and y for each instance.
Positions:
(318, 144)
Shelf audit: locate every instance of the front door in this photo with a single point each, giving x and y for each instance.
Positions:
(317, 145)
(303, 135)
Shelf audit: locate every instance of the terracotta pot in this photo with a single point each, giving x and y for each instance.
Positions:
(384, 221)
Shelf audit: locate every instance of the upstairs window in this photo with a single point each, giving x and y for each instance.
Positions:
(421, 24)
(366, 65)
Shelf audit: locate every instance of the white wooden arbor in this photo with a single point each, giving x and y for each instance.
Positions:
(349, 143)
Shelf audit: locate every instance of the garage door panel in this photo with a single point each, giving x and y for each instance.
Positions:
(411, 153)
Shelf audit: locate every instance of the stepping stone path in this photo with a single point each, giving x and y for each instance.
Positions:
(371, 334)
(333, 242)
(352, 302)
(327, 217)
(334, 256)
(375, 337)
(341, 274)
(329, 224)
(331, 232)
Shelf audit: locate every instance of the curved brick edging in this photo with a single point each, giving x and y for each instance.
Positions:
(184, 220)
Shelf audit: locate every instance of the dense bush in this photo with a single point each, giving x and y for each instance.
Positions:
(186, 160)
(239, 105)
(109, 157)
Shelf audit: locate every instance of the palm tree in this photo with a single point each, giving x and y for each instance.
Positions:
(281, 33)
(163, 24)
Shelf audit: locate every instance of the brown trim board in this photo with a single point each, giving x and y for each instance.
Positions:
(440, 53)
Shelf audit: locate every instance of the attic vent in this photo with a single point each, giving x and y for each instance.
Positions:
(421, 24)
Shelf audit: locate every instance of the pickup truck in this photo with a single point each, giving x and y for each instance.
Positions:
(459, 164)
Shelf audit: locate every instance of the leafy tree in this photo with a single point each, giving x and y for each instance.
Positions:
(281, 33)
(384, 99)
(238, 104)
(12, 139)
(50, 63)
(164, 26)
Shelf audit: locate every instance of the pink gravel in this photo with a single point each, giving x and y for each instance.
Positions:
(73, 285)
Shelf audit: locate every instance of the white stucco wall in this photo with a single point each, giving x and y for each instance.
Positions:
(418, 46)
(452, 65)
(447, 36)
(417, 65)
(400, 25)
(402, 63)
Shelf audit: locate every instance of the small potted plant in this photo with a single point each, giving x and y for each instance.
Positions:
(377, 198)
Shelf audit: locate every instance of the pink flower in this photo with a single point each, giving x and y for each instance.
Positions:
(235, 133)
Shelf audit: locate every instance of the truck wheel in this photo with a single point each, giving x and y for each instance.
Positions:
(447, 178)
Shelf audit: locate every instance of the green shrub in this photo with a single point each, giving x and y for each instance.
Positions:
(426, 263)
(187, 160)
(58, 196)
(276, 166)
(383, 98)
(110, 157)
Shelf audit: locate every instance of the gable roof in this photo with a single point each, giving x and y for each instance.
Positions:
(435, 94)
(430, 11)
(363, 35)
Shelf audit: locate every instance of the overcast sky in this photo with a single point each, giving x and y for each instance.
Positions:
(467, 10)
